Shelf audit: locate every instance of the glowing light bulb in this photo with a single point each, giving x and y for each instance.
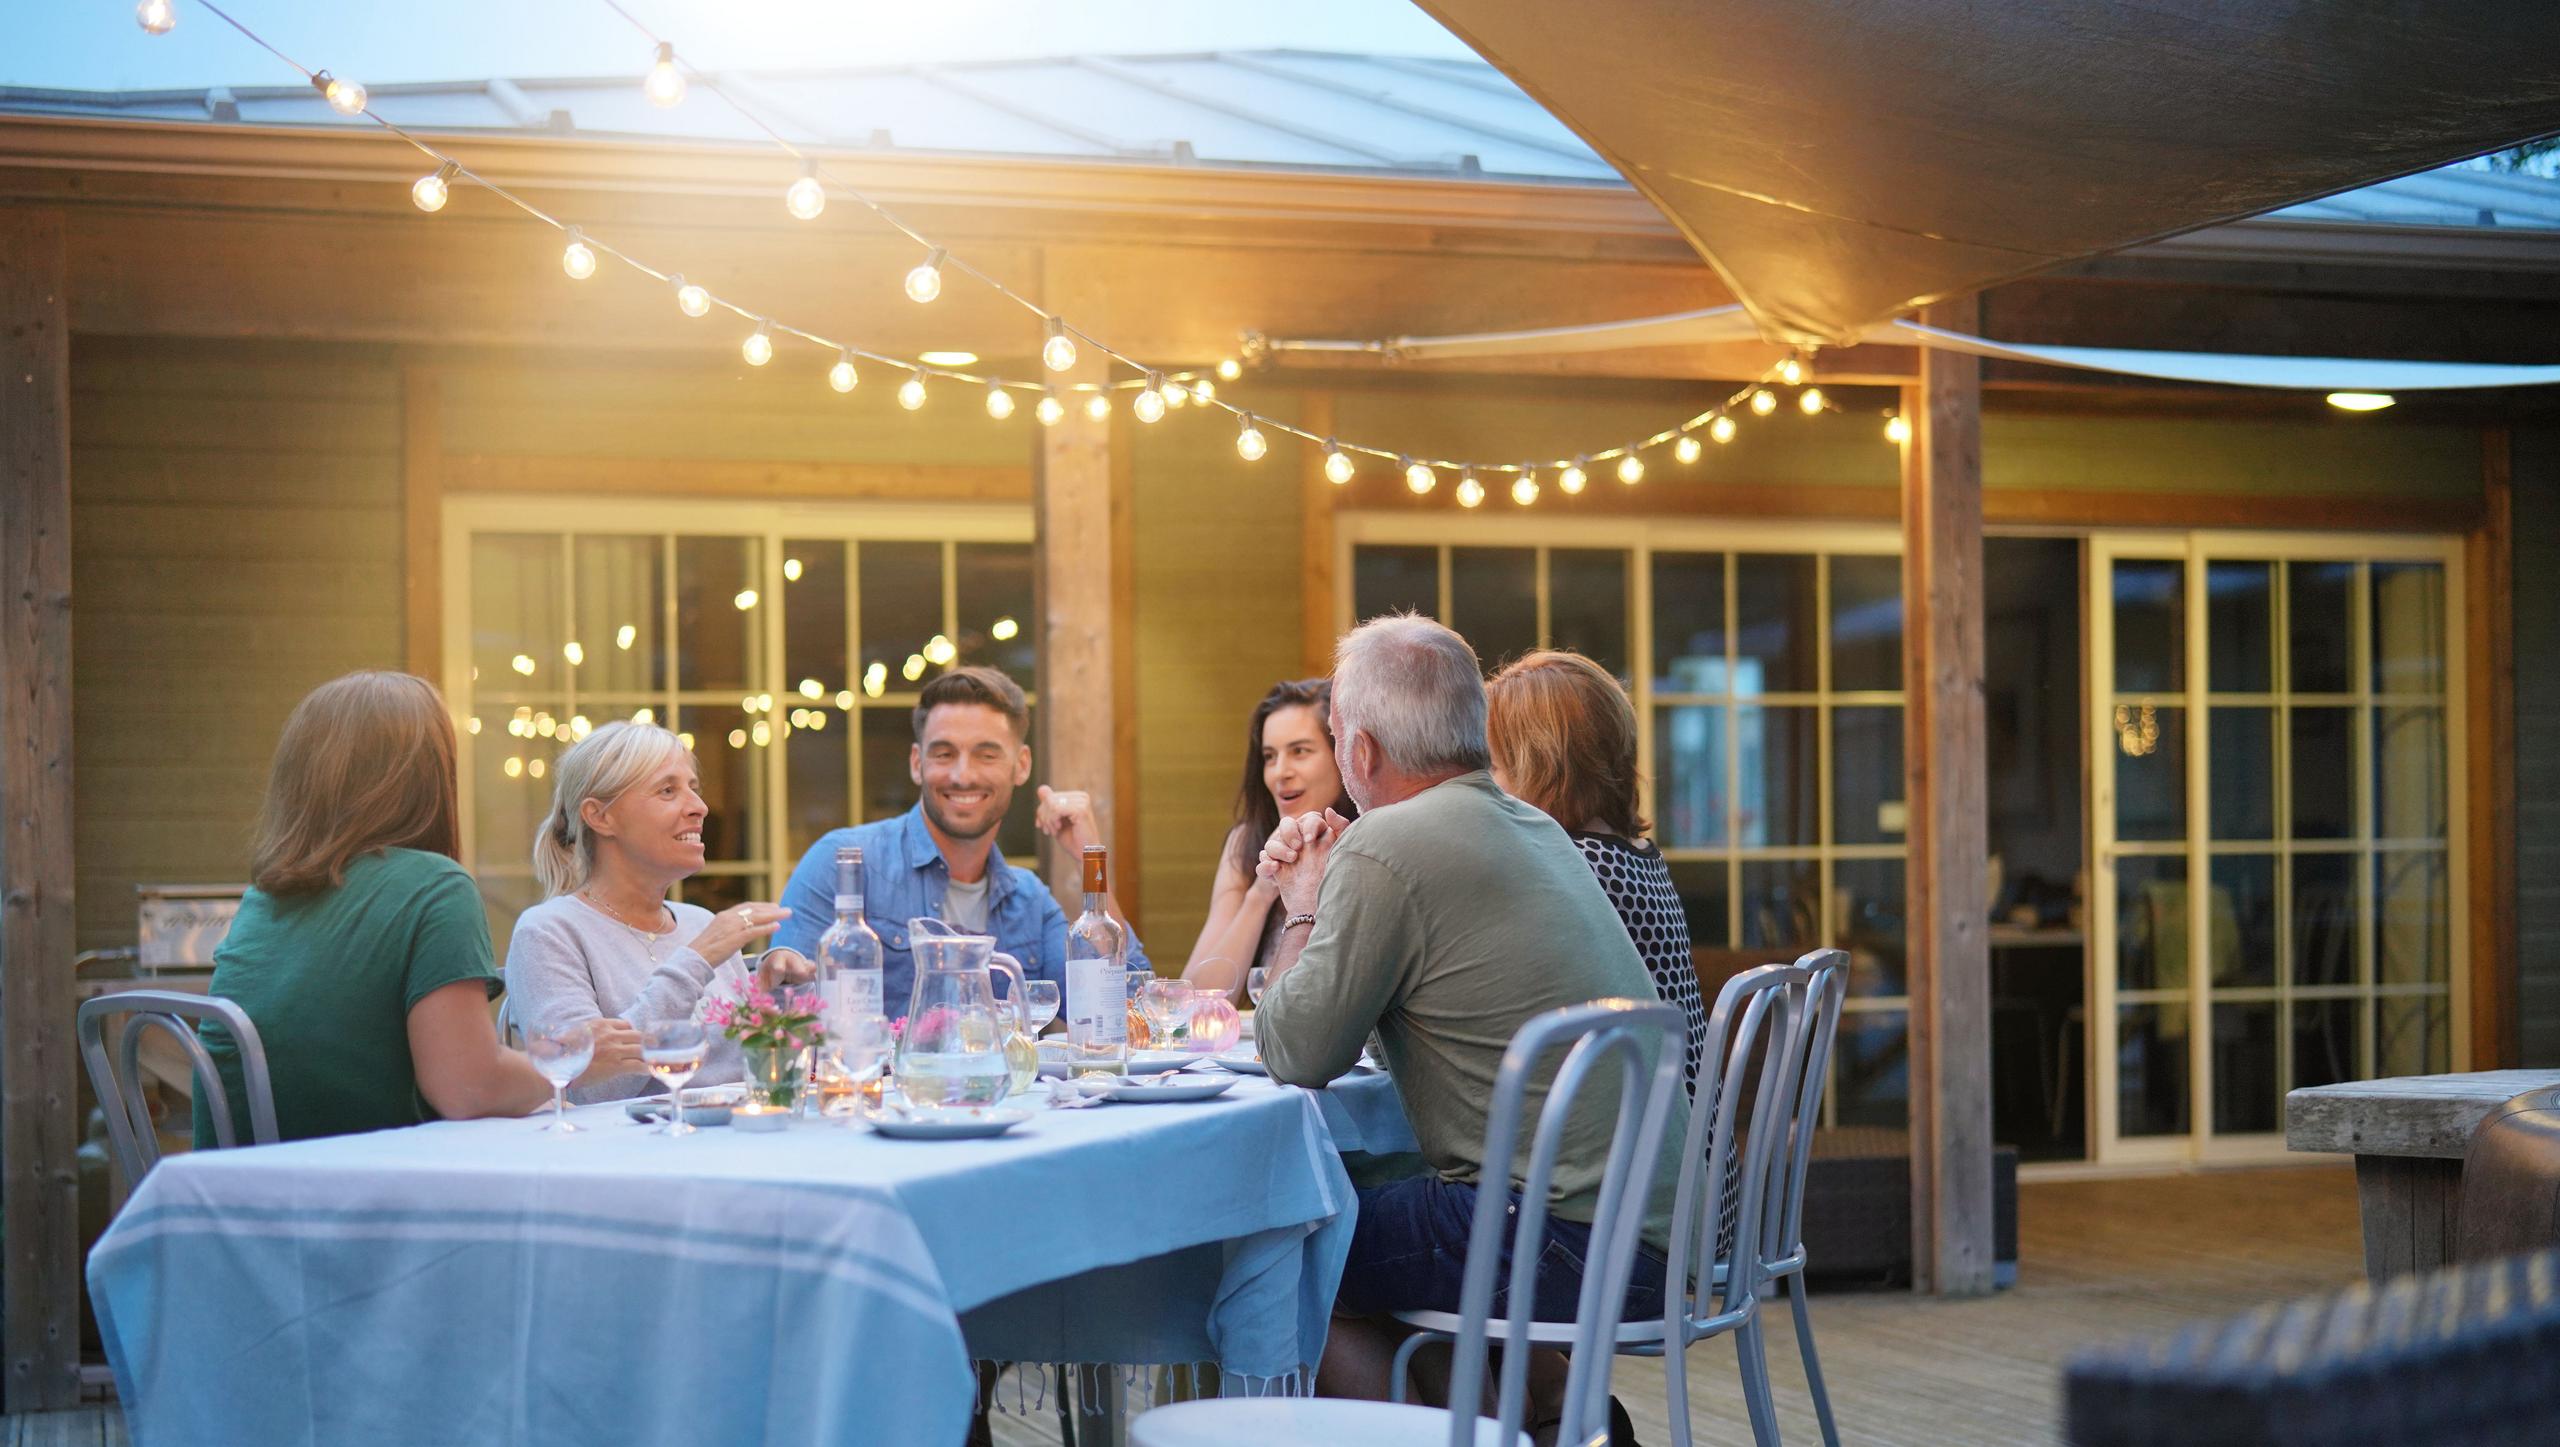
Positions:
(1250, 443)
(758, 347)
(1524, 490)
(911, 391)
(1059, 352)
(522, 663)
(156, 17)
(1791, 371)
(686, 739)
(999, 401)
(791, 574)
(842, 376)
(473, 727)
(1098, 406)
(346, 97)
(431, 192)
(1897, 430)
(913, 668)
(514, 767)
(578, 258)
(2360, 401)
(574, 651)
(939, 651)
(1050, 409)
(1229, 369)
(1721, 429)
(737, 738)
(1573, 477)
(1631, 468)
(1809, 401)
(1204, 390)
(625, 636)
(1686, 450)
(580, 726)
(692, 300)
(745, 600)
(1763, 402)
(1148, 405)
(644, 716)
(1470, 491)
(664, 85)
(924, 283)
(762, 733)
(812, 688)
(1004, 630)
(1176, 394)
(1337, 465)
(875, 680)
(805, 198)
(1418, 477)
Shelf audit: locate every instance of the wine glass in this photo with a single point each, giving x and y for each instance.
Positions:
(1040, 1003)
(1167, 1004)
(1254, 981)
(560, 1053)
(673, 1051)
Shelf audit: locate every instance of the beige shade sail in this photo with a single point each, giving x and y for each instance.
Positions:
(1842, 161)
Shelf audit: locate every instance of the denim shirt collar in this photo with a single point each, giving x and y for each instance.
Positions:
(923, 853)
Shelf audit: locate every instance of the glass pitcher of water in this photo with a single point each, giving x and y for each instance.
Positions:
(954, 1051)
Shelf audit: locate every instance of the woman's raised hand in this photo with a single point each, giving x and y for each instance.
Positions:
(781, 968)
(731, 929)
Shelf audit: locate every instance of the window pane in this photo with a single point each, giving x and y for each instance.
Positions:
(511, 784)
(2243, 786)
(998, 625)
(2319, 610)
(1866, 622)
(1866, 776)
(2151, 772)
(813, 622)
(2246, 1095)
(901, 588)
(1394, 580)
(2325, 920)
(1776, 637)
(2151, 923)
(621, 615)
(2151, 1070)
(516, 622)
(1781, 906)
(2240, 609)
(1706, 898)
(1493, 601)
(1871, 1079)
(2411, 1036)
(1688, 623)
(2408, 628)
(2409, 773)
(888, 736)
(2150, 623)
(2409, 917)
(1867, 907)
(719, 611)
(2324, 773)
(1018, 837)
(733, 777)
(1587, 606)
(1689, 748)
(1781, 788)
(2324, 1042)
(2243, 937)
(820, 791)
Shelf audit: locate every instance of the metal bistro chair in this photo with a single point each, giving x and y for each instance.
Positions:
(1753, 1028)
(1644, 1043)
(118, 1078)
(1815, 1007)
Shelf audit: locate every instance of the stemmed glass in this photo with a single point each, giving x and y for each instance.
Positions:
(1167, 1004)
(673, 1051)
(1254, 980)
(1040, 1003)
(560, 1053)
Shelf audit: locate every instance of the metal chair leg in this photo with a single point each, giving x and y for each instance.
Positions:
(1794, 1287)
(1400, 1376)
(1675, 1383)
(1755, 1382)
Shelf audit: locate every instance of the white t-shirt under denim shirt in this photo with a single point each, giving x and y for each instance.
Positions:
(569, 960)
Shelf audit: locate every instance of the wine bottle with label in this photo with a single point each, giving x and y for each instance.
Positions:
(1097, 994)
(849, 976)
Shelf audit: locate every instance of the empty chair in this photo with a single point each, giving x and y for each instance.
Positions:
(1640, 1048)
(116, 1074)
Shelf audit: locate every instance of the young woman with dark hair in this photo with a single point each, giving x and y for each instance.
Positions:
(1289, 770)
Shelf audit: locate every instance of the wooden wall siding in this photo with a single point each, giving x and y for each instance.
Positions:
(2536, 613)
(1219, 612)
(237, 539)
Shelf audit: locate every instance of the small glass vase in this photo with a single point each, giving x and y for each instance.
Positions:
(773, 1075)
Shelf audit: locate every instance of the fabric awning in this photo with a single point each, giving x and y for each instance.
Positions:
(1843, 161)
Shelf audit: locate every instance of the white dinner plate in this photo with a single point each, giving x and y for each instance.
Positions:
(949, 1123)
(1141, 1062)
(1248, 1062)
(1147, 1089)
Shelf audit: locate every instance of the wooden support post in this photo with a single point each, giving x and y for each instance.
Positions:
(1944, 761)
(422, 508)
(1318, 622)
(2495, 966)
(39, 1138)
(1076, 574)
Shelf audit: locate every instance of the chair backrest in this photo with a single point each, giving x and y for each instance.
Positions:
(117, 1074)
(1817, 1003)
(1729, 1174)
(1646, 1044)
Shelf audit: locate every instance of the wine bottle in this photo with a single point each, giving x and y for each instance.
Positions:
(1097, 972)
(849, 975)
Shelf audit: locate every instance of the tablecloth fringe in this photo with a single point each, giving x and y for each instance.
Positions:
(1139, 1386)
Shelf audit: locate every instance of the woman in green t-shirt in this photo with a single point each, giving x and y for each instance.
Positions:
(362, 953)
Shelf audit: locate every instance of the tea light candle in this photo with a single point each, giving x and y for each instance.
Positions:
(755, 1115)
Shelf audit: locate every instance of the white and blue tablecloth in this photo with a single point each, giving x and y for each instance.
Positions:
(483, 1281)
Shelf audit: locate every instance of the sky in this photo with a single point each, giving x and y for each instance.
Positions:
(96, 44)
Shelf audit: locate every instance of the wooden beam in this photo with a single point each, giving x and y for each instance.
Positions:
(422, 519)
(1944, 763)
(1318, 623)
(1073, 574)
(2497, 1040)
(39, 1137)
(1128, 883)
(723, 477)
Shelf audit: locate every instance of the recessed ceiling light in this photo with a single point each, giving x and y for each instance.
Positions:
(947, 359)
(2361, 401)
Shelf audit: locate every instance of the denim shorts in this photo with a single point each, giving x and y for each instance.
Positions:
(1409, 1253)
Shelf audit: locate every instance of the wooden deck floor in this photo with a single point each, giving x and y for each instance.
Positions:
(2098, 1259)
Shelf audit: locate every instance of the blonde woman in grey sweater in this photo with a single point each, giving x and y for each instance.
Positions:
(625, 826)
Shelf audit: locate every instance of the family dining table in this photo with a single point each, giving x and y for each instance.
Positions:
(468, 1281)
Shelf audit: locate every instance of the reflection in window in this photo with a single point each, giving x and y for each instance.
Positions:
(1493, 602)
(1587, 606)
(1688, 623)
(1778, 634)
(997, 623)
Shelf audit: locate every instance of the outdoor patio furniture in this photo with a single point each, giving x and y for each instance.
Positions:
(1782, 1255)
(2510, 1194)
(117, 1075)
(2468, 1357)
(1609, 1039)
(2408, 1135)
(1857, 1201)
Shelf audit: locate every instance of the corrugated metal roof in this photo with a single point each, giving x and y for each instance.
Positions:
(1283, 109)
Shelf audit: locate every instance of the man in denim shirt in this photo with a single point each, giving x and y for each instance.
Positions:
(939, 858)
